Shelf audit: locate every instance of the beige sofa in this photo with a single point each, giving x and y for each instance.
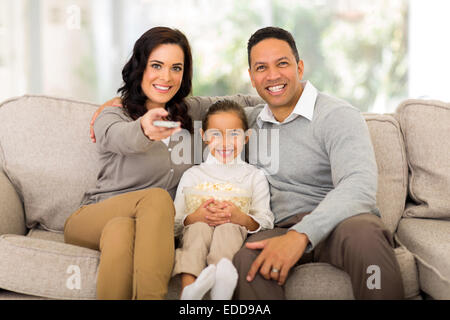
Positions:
(47, 161)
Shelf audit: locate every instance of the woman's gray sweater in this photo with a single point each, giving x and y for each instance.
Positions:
(130, 160)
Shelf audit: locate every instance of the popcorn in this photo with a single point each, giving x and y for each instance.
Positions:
(195, 196)
(209, 186)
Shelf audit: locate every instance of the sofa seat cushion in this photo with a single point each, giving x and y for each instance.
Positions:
(9, 295)
(26, 264)
(46, 235)
(47, 268)
(322, 281)
(89, 289)
(429, 242)
(318, 281)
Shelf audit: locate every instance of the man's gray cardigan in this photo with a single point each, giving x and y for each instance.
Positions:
(325, 166)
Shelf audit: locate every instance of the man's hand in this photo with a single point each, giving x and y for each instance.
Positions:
(116, 102)
(279, 253)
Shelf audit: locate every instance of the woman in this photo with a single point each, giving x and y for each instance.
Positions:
(129, 215)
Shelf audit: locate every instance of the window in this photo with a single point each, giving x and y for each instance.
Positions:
(356, 50)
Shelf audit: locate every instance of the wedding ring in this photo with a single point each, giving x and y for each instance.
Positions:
(275, 270)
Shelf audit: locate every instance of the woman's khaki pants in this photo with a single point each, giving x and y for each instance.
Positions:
(134, 232)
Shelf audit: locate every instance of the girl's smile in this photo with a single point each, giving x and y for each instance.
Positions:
(225, 136)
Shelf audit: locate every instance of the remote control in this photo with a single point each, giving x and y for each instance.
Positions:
(165, 124)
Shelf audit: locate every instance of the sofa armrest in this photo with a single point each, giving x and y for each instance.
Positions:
(12, 217)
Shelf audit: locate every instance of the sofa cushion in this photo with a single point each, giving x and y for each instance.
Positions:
(429, 242)
(46, 152)
(46, 235)
(47, 268)
(319, 281)
(426, 129)
(10, 295)
(48, 156)
(322, 281)
(42, 253)
(390, 155)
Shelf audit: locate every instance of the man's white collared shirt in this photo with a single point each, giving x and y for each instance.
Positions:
(304, 107)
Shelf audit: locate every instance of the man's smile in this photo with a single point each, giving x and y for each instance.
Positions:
(276, 89)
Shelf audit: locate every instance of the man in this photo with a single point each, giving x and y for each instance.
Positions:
(323, 194)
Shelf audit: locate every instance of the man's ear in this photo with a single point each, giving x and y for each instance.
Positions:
(300, 68)
(251, 79)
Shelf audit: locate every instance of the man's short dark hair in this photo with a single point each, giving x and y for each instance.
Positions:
(272, 32)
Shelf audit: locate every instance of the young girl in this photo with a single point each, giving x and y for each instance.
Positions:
(214, 231)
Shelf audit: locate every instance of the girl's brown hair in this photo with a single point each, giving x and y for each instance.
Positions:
(226, 106)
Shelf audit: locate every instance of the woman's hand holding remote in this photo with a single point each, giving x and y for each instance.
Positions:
(153, 132)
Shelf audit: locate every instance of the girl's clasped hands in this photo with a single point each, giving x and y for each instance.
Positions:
(214, 213)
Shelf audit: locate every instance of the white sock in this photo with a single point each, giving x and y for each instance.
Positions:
(202, 284)
(226, 280)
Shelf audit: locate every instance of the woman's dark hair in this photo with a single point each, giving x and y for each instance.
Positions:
(133, 97)
(226, 106)
(272, 32)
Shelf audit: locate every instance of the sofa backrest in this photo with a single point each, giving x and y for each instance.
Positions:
(46, 152)
(426, 131)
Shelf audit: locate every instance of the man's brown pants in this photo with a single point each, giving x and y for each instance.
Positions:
(354, 245)
(134, 232)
